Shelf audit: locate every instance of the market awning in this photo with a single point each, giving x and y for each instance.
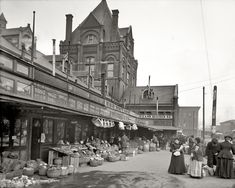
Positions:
(161, 127)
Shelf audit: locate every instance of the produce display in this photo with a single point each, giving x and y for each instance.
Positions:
(23, 181)
(67, 159)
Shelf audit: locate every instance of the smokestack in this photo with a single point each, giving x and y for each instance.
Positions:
(53, 58)
(69, 23)
(114, 25)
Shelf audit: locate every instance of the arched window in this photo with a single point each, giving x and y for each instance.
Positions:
(110, 70)
(91, 39)
(148, 93)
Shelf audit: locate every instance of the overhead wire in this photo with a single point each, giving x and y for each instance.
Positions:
(206, 46)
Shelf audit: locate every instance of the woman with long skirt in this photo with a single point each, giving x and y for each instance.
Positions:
(177, 165)
(224, 168)
(196, 159)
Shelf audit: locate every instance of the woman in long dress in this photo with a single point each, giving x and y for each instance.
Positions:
(212, 151)
(177, 165)
(196, 159)
(224, 168)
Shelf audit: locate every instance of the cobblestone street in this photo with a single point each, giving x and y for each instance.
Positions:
(146, 170)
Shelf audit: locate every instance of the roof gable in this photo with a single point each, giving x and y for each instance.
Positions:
(102, 12)
(2, 18)
(165, 94)
(90, 21)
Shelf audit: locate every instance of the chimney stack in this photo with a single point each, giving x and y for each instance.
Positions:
(69, 23)
(114, 25)
(53, 58)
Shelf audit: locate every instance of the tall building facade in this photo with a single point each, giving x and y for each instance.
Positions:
(102, 54)
(188, 120)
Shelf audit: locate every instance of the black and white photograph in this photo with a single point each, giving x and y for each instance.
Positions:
(117, 93)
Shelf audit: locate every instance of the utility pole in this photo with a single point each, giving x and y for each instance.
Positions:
(32, 47)
(213, 126)
(203, 116)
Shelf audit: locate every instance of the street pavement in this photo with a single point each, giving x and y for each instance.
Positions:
(147, 170)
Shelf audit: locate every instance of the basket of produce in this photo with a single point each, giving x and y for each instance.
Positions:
(146, 147)
(123, 157)
(32, 164)
(70, 169)
(58, 161)
(113, 158)
(42, 170)
(53, 172)
(64, 171)
(28, 171)
(94, 162)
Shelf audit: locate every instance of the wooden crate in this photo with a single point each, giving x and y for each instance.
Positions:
(51, 155)
(65, 161)
(75, 162)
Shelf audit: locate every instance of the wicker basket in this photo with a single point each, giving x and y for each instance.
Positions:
(94, 163)
(113, 158)
(42, 170)
(53, 173)
(28, 171)
(70, 169)
(64, 171)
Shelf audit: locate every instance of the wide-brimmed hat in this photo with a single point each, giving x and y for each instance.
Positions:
(228, 136)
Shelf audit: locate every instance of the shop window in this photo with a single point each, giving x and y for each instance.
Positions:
(20, 133)
(6, 62)
(47, 130)
(6, 84)
(22, 69)
(23, 89)
(5, 132)
(78, 130)
(60, 131)
(110, 70)
(24, 132)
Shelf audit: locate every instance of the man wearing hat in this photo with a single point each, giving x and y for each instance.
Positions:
(224, 167)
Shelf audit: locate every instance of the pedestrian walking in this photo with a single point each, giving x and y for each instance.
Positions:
(212, 150)
(124, 142)
(196, 159)
(224, 168)
(155, 140)
(177, 165)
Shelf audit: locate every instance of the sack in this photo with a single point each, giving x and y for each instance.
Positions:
(176, 153)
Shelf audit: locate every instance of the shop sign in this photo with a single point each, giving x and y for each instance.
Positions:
(86, 107)
(39, 94)
(72, 103)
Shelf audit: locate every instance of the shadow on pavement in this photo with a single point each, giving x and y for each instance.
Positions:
(107, 179)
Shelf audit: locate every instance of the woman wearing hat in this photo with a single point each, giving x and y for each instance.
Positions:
(224, 167)
(177, 165)
(196, 159)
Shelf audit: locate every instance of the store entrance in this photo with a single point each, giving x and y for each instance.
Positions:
(35, 144)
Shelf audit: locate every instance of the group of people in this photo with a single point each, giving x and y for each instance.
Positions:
(219, 157)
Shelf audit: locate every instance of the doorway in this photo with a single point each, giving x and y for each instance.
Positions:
(35, 144)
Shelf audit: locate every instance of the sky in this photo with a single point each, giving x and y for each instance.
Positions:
(186, 42)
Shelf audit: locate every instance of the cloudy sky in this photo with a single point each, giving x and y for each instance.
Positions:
(186, 42)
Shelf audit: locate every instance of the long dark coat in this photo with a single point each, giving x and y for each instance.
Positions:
(224, 167)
